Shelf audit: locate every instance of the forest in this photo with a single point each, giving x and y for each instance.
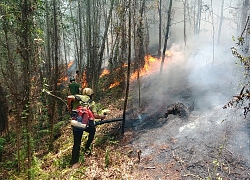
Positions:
(172, 76)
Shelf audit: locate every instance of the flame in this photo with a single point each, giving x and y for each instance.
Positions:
(63, 79)
(114, 85)
(168, 53)
(70, 64)
(84, 79)
(150, 65)
(104, 72)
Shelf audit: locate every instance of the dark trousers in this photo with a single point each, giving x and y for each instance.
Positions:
(77, 133)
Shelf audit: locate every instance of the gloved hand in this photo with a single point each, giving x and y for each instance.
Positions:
(77, 98)
(102, 117)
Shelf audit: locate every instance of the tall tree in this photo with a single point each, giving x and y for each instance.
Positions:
(3, 111)
(221, 22)
(213, 29)
(160, 24)
(166, 36)
(19, 69)
(129, 62)
(56, 70)
(197, 18)
(185, 22)
(104, 39)
(80, 58)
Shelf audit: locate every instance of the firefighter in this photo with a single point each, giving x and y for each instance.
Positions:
(78, 77)
(86, 97)
(74, 87)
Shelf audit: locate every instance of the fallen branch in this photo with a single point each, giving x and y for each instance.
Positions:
(178, 159)
(49, 93)
(193, 175)
(153, 167)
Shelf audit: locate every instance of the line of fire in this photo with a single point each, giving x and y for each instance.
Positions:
(151, 64)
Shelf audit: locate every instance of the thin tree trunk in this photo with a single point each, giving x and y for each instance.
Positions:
(101, 52)
(185, 23)
(18, 132)
(212, 14)
(141, 52)
(221, 22)
(160, 23)
(166, 36)
(56, 59)
(128, 69)
(198, 17)
(75, 36)
(26, 55)
(80, 59)
(48, 43)
(88, 35)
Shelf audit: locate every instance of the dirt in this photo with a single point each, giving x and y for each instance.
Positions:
(211, 143)
(203, 146)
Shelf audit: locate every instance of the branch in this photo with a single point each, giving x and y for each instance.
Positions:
(245, 27)
(49, 93)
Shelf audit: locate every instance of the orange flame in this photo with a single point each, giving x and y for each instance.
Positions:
(70, 64)
(84, 79)
(148, 66)
(168, 53)
(151, 64)
(104, 72)
(114, 85)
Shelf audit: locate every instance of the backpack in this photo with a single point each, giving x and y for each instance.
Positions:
(82, 117)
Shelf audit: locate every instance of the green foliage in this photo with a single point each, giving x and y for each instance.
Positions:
(82, 157)
(241, 52)
(36, 170)
(99, 107)
(99, 141)
(2, 142)
(64, 161)
(106, 158)
(59, 125)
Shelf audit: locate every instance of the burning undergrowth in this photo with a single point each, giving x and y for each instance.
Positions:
(211, 142)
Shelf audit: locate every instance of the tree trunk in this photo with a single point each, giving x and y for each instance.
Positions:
(56, 59)
(159, 44)
(221, 22)
(244, 13)
(75, 36)
(3, 110)
(80, 59)
(198, 17)
(26, 45)
(166, 36)
(185, 23)
(48, 65)
(128, 69)
(212, 14)
(101, 52)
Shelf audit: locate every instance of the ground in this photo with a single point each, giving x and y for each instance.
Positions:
(200, 146)
(208, 144)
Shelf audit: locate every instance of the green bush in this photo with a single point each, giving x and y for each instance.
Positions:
(2, 142)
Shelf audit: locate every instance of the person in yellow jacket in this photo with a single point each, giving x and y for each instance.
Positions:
(85, 98)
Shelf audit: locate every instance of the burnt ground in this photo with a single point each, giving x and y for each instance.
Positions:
(191, 149)
(211, 143)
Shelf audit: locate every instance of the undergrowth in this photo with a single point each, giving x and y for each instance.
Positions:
(107, 160)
